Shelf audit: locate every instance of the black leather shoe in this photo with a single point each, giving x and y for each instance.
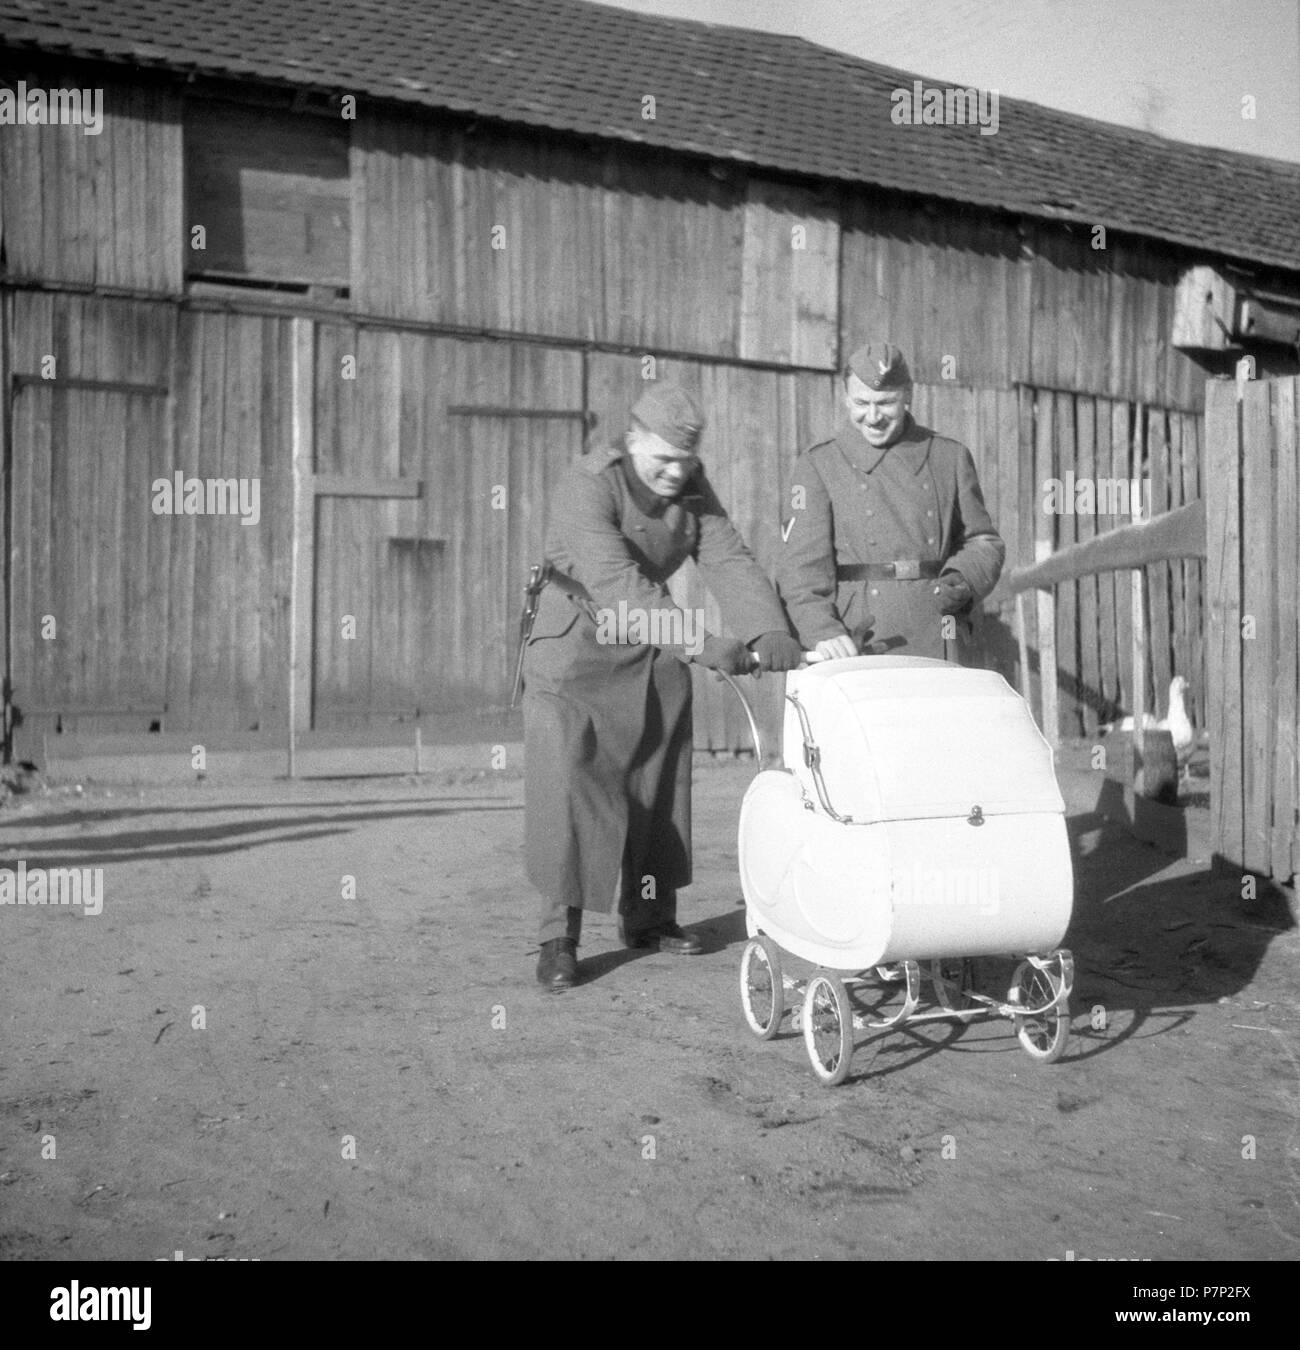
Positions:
(557, 966)
(669, 938)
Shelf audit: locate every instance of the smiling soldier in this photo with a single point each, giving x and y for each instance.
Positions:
(891, 548)
(607, 706)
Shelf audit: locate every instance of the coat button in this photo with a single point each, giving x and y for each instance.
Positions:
(874, 591)
(928, 511)
(870, 512)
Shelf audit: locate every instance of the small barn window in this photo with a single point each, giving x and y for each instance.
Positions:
(268, 199)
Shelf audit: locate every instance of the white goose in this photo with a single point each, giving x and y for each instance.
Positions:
(1176, 722)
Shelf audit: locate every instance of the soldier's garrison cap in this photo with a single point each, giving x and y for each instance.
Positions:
(671, 413)
(880, 365)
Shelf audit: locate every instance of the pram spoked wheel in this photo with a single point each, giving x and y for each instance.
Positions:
(762, 993)
(828, 1028)
(1041, 987)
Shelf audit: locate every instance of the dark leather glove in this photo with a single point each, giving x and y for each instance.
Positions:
(953, 592)
(777, 651)
(863, 632)
(728, 655)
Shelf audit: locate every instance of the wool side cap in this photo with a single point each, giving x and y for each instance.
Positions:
(672, 414)
(881, 365)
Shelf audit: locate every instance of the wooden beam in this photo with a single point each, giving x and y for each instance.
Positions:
(1175, 534)
(1205, 308)
(101, 386)
(495, 410)
(344, 485)
(1269, 323)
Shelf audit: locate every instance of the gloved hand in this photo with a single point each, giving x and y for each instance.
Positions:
(863, 631)
(954, 592)
(833, 649)
(728, 655)
(776, 651)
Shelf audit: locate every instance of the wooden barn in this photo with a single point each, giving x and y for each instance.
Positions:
(386, 267)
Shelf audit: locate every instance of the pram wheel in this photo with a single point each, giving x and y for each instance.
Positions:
(828, 1028)
(1040, 989)
(762, 994)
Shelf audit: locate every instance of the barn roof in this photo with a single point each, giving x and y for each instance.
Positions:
(764, 99)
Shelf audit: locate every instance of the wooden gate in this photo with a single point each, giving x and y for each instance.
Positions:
(1252, 536)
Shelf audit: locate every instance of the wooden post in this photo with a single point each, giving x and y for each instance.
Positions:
(1286, 427)
(1223, 646)
(1022, 643)
(1137, 578)
(302, 549)
(1050, 719)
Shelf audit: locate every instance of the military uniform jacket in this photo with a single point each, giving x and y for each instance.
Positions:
(608, 724)
(918, 499)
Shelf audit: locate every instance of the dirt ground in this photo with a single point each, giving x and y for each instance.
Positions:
(634, 1117)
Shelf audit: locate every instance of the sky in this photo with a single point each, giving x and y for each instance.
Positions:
(1180, 68)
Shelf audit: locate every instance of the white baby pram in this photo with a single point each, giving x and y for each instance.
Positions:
(917, 822)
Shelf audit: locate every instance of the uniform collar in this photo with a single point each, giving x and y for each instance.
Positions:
(912, 448)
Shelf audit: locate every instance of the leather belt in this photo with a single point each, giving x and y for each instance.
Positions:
(905, 569)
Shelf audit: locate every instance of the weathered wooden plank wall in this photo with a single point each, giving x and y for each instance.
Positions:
(635, 249)
(939, 284)
(1006, 302)
(1252, 528)
(504, 231)
(102, 210)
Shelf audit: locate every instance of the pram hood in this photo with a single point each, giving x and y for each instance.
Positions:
(907, 738)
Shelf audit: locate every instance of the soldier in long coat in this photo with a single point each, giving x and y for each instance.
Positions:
(890, 548)
(607, 702)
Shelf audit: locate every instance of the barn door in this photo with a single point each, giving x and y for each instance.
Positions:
(433, 470)
(90, 575)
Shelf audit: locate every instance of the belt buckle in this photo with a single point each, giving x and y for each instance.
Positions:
(907, 570)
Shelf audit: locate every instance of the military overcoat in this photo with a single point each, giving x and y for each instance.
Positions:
(919, 500)
(608, 731)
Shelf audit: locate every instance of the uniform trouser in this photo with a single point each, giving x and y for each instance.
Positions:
(655, 782)
(636, 913)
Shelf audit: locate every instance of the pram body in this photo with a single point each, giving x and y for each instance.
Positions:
(918, 819)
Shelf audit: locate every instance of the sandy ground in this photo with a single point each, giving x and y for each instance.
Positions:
(634, 1117)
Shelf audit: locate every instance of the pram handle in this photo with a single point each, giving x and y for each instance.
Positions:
(810, 658)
